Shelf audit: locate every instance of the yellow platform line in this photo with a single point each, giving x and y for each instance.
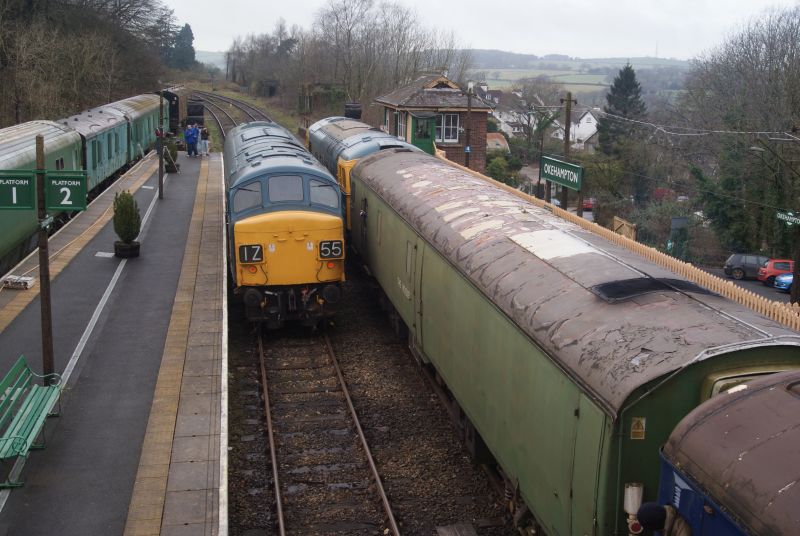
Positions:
(60, 259)
(149, 491)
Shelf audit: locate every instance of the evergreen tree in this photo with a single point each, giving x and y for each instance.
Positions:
(182, 56)
(624, 100)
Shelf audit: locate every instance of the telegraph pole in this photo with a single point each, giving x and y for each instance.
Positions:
(567, 125)
(468, 148)
(48, 363)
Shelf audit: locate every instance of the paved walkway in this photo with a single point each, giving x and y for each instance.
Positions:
(137, 448)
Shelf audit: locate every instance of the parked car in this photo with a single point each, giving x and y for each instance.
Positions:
(774, 268)
(588, 203)
(744, 265)
(784, 282)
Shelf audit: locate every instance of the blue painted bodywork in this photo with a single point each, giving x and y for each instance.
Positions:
(705, 517)
(342, 138)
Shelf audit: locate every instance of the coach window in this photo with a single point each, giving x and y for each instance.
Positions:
(323, 194)
(285, 188)
(247, 196)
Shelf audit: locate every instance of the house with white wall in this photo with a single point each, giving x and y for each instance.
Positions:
(582, 130)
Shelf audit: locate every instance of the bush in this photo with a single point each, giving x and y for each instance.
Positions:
(171, 156)
(127, 222)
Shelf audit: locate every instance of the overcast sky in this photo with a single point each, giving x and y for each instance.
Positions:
(582, 28)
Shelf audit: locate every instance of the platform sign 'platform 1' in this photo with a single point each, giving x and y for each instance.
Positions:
(17, 190)
(65, 190)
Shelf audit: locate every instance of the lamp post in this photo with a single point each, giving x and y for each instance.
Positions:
(160, 143)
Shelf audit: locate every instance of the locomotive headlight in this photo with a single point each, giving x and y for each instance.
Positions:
(330, 265)
(634, 491)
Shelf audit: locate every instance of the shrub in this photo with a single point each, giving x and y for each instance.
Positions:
(127, 222)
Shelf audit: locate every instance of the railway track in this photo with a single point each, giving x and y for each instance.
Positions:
(324, 478)
(251, 112)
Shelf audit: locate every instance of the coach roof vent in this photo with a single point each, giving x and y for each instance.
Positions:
(624, 289)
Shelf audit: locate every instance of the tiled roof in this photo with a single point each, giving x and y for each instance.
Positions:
(431, 91)
(495, 140)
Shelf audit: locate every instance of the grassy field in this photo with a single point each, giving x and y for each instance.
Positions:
(575, 81)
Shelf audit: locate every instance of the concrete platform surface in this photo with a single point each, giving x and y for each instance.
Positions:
(140, 445)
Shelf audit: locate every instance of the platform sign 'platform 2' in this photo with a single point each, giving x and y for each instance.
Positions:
(65, 190)
(17, 190)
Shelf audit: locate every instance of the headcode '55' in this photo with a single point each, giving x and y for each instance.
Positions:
(331, 249)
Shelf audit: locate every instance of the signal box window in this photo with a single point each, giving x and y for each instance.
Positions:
(447, 128)
(285, 188)
(323, 194)
(247, 196)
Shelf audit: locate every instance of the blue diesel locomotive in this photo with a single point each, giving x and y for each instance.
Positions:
(285, 227)
(732, 466)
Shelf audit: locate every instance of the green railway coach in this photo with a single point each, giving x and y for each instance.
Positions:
(142, 113)
(572, 357)
(62, 149)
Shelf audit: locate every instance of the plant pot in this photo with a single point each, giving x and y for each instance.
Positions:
(125, 250)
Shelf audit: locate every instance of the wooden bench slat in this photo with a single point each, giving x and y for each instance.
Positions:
(20, 426)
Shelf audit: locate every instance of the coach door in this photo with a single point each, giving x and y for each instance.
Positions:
(417, 262)
(589, 427)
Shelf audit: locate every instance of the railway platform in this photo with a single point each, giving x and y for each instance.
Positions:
(140, 445)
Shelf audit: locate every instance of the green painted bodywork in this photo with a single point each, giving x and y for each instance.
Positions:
(17, 227)
(543, 428)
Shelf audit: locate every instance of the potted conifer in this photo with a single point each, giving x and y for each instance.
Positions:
(171, 164)
(127, 224)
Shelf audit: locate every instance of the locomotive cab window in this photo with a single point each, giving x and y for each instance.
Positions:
(733, 383)
(247, 196)
(323, 194)
(285, 188)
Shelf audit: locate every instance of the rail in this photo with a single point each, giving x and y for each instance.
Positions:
(393, 527)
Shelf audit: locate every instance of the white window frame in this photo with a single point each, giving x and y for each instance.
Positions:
(401, 126)
(447, 133)
(386, 119)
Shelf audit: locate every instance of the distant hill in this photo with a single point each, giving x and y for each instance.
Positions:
(213, 58)
(498, 59)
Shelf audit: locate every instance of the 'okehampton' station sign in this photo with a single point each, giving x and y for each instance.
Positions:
(563, 173)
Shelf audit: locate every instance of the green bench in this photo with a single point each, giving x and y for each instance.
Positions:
(24, 408)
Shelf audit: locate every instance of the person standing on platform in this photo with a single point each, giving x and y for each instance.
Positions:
(190, 135)
(204, 135)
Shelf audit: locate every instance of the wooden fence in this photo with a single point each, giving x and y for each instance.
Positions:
(785, 313)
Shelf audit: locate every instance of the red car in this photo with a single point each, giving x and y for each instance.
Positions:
(773, 268)
(588, 203)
